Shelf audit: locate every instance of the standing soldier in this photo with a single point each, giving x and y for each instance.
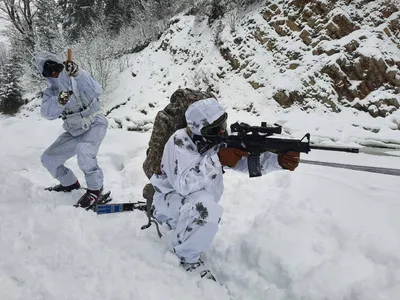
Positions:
(72, 95)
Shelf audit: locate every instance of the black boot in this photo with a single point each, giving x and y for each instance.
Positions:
(89, 199)
(200, 268)
(66, 189)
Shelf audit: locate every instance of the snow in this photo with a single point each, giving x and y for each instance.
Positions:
(316, 233)
(158, 74)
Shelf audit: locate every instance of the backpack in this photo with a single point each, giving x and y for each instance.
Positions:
(167, 121)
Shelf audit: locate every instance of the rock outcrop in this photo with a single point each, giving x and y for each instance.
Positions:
(346, 35)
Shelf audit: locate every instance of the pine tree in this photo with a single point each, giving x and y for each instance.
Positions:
(47, 18)
(113, 12)
(78, 16)
(162, 8)
(10, 91)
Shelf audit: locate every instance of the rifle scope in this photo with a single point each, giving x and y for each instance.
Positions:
(244, 129)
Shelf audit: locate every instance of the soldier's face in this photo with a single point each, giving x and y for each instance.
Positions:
(218, 128)
(55, 74)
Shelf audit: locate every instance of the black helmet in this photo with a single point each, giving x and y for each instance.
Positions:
(217, 128)
(51, 66)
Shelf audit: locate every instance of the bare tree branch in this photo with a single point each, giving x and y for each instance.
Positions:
(20, 13)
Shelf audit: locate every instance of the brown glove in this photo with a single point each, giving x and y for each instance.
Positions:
(63, 97)
(289, 160)
(230, 156)
(71, 68)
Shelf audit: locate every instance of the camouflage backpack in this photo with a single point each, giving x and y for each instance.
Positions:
(167, 121)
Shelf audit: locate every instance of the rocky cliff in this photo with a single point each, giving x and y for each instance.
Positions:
(348, 52)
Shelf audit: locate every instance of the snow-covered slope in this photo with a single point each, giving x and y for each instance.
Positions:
(192, 54)
(316, 233)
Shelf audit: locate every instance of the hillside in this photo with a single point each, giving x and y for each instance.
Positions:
(277, 61)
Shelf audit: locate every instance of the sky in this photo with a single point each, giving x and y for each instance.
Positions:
(315, 233)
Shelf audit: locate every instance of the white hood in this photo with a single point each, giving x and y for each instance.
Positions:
(202, 113)
(42, 57)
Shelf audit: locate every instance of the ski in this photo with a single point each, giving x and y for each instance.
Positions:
(103, 208)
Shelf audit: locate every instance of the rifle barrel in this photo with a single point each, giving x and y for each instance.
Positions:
(340, 149)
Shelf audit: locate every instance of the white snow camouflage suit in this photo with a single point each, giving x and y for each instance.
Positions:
(84, 124)
(190, 185)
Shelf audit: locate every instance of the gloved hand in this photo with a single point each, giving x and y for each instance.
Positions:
(289, 160)
(63, 97)
(71, 68)
(230, 156)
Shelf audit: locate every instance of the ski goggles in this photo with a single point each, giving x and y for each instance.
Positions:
(51, 67)
(216, 128)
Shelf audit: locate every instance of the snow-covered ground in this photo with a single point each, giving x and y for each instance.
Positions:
(316, 233)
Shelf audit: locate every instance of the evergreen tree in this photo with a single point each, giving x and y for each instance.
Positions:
(114, 15)
(78, 16)
(47, 18)
(162, 8)
(10, 92)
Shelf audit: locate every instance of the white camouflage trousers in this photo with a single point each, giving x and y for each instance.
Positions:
(85, 147)
(193, 218)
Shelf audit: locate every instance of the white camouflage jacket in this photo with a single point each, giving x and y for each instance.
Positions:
(185, 170)
(83, 105)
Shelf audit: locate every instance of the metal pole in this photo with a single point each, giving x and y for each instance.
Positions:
(330, 148)
(386, 171)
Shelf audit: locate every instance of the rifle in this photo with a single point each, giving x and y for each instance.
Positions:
(257, 139)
